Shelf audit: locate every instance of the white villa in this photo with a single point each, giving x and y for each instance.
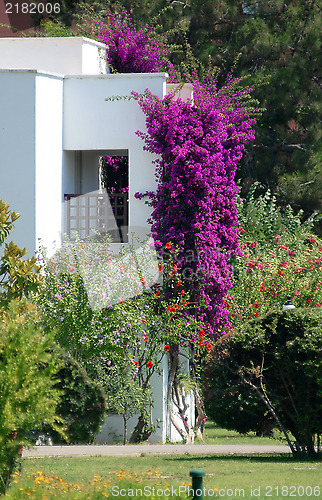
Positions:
(55, 125)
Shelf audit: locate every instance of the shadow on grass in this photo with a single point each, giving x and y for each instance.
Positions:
(282, 458)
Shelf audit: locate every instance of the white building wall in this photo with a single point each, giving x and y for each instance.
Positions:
(17, 146)
(49, 135)
(62, 55)
(92, 123)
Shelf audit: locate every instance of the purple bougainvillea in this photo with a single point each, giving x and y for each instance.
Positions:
(129, 50)
(194, 208)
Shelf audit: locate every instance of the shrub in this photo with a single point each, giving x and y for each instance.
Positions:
(28, 367)
(82, 404)
(277, 360)
(230, 404)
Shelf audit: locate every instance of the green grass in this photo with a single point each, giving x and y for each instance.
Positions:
(215, 435)
(227, 476)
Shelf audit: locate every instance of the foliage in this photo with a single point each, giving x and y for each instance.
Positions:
(18, 277)
(277, 359)
(82, 405)
(124, 396)
(281, 257)
(28, 363)
(110, 313)
(129, 50)
(230, 404)
(28, 370)
(199, 145)
(115, 173)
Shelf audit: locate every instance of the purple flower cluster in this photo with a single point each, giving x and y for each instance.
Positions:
(129, 50)
(198, 145)
(115, 174)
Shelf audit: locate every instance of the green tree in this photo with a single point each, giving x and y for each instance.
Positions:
(28, 364)
(278, 362)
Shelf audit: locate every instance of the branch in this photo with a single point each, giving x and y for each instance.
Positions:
(281, 147)
(269, 405)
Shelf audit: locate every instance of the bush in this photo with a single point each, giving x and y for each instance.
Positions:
(230, 404)
(28, 368)
(278, 361)
(82, 404)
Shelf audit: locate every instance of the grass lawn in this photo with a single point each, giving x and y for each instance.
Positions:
(226, 476)
(215, 435)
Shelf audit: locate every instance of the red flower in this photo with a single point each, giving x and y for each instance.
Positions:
(160, 267)
(209, 347)
(257, 304)
(201, 343)
(143, 320)
(145, 337)
(179, 283)
(136, 363)
(262, 288)
(168, 245)
(184, 302)
(256, 313)
(149, 364)
(175, 268)
(167, 347)
(280, 273)
(201, 332)
(182, 293)
(158, 294)
(253, 245)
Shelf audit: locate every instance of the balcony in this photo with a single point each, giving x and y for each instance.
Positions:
(97, 214)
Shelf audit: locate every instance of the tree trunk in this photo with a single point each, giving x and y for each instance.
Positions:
(125, 428)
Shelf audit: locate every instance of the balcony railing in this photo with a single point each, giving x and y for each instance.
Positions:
(97, 213)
